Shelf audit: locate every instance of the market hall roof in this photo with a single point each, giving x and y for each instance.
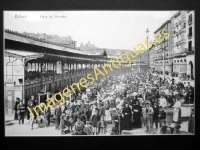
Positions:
(15, 36)
(27, 40)
(21, 54)
(35, 55)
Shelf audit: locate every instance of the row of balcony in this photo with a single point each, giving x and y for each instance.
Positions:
(178, 42)
(178, 31)
(179, 52)
(182, 18)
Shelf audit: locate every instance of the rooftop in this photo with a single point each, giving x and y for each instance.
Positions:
(168, 21)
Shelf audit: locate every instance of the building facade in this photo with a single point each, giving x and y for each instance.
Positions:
(151, 58)
(178, 48)
(179, 42)
(163, 48)
(191, 43)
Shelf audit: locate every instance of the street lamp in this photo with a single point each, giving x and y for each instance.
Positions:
(147, 32)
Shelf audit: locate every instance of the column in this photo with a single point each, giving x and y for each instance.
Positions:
(47, 69)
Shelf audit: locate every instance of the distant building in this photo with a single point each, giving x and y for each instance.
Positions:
(53, 39)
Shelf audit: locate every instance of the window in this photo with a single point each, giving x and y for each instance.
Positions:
(190, 46)
(190, 31)
(190, 19)
(184, 25)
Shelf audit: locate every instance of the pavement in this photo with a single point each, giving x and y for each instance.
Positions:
(12, 128)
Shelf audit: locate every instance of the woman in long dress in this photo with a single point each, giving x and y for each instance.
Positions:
(107, 113)
(126, 114)
(137, 111)
(177, 111)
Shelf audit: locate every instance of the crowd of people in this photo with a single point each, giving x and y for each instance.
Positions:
(125, 100)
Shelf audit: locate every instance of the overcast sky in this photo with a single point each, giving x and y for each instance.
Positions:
(104, 29)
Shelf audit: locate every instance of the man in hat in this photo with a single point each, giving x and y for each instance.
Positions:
(101, 111)
(47, 116)
(155, 114)
(21, 111)
(15, 108)
(31, 117)
(148, 116)
(28, 105)
(57, 114)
